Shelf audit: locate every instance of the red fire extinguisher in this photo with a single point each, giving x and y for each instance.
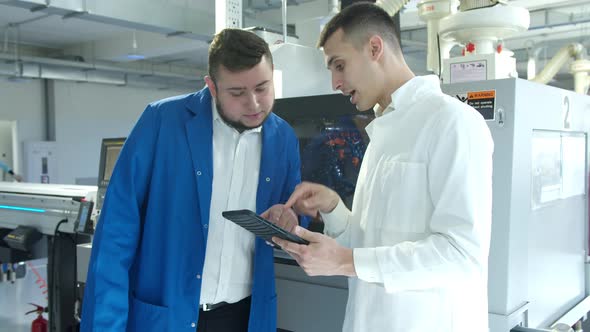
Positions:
(40, 323)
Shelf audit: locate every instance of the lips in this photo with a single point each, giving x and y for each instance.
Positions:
(352, 97)
(253, 116)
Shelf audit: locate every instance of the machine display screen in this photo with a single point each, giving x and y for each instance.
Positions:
(83, 218)
(84, 214)
(109, 153)
(332, 139)
(112, 154)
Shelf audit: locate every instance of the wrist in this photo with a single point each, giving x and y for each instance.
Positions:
(347, 263)
(333, 203)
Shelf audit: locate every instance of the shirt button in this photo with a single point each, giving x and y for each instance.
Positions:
(205, 226)
(193, 325)
(198, 276)
(267, 179)
(199, 173)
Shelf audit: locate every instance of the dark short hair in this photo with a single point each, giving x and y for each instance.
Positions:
(236, 50)
(359, 22)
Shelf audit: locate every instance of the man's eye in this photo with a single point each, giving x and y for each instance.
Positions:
(237, 94)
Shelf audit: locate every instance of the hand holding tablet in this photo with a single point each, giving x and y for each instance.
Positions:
(260, 226)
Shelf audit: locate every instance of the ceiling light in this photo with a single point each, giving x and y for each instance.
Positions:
(135, 55)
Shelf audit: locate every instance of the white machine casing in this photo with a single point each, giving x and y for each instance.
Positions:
(539, 242)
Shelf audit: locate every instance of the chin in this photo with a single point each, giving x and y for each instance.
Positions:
(253, 124)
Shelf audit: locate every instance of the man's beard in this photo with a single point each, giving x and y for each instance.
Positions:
(237, 125)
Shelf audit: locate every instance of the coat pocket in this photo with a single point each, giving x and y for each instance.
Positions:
(408, 207)
(145, 316)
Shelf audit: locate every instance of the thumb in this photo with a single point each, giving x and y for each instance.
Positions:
(265, 214)
(307, 235)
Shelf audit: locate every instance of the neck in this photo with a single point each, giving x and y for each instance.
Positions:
(397, 73)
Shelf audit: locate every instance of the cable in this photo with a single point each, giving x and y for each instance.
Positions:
(439, 56)
(76, 314)
(53, 286)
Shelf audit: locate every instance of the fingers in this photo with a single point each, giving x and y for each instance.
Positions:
(288, 220)
(307, 235)
(281, 216)
(311, 204)
(273, 214)
(290, 247)
(309, 198)
(301, 190)
(295, 196)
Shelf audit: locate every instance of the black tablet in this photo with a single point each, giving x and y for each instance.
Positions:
(260, 226)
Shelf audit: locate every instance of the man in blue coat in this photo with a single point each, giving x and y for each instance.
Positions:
(163, 257)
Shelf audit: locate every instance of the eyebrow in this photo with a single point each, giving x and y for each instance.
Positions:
(331, 60)
(262, 83)
(244, 88)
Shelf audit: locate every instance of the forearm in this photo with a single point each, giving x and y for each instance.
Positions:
(436, 261)
(336, 223)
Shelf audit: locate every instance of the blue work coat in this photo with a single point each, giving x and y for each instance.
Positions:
(149, 247)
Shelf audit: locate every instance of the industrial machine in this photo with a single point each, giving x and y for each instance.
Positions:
(41, 222)
(540, 201)
(539, 181)
(479, 26)
(539, 222)
(332, 141)
(109, 153)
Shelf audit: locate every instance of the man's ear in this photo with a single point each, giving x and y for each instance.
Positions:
(211, 86)
(376, 47)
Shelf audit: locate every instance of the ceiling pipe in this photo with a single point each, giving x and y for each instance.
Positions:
(39, 68)
(391, 6)
(573, 50)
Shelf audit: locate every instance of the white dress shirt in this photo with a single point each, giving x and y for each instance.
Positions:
(421, 218)
(227, 273)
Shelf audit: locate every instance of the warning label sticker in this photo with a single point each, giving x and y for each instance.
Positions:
(483, 101)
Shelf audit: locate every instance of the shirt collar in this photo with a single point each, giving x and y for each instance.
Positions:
(409, 93)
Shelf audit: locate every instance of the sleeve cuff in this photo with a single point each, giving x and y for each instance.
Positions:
(335, 222)
(366, 265)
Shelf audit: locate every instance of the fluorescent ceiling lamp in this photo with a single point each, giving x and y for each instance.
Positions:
(135, 55)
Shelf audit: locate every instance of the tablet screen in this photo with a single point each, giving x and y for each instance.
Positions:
(260, 226)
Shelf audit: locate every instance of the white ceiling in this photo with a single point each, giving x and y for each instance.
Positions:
(50, 31)
(104, 32)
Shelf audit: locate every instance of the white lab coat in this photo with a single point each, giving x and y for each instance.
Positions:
(421, 217)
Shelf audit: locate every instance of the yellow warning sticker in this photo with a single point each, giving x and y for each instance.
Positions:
(481, 95)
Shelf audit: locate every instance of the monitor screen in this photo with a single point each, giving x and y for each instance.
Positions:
(109, 153)
(112, 154)
(83, 217)
(332, 139)
(83, 222)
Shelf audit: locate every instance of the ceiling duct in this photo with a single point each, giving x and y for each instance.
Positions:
(45, 68)
(190, 20)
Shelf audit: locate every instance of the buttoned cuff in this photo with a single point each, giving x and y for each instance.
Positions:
(366, 264)
(335, 222)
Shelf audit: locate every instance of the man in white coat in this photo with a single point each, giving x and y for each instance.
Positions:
(416, 242)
